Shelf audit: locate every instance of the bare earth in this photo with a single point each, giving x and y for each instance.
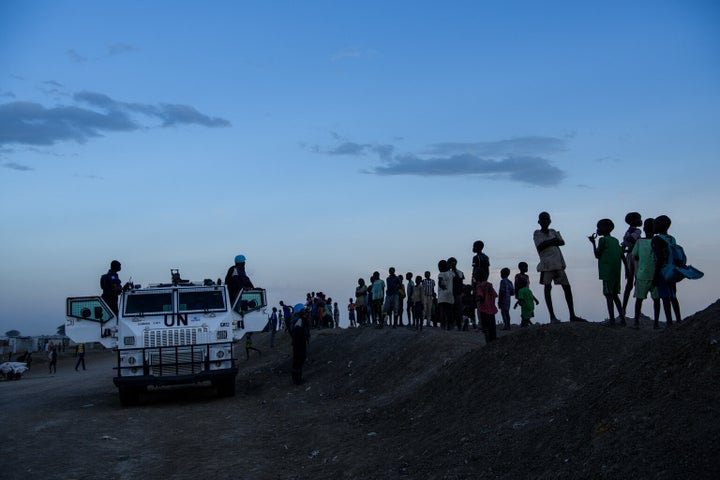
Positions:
(555, 401)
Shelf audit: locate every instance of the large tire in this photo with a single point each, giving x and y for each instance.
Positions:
(129, 397)
(226, 387)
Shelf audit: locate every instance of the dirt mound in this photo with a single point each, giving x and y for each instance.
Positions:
(552, 401)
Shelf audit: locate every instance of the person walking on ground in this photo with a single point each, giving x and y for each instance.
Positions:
(80, 354)
(249, 346)
(552, 266)
(52, 357)
(273, 326)
(609, 256)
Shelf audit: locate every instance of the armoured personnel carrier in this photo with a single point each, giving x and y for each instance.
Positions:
(170, 333)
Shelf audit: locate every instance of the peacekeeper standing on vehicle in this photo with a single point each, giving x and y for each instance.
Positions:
(112, 286)
(237, 279)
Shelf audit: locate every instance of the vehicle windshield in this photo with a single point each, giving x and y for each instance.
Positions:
(142, 303)
(201, 300)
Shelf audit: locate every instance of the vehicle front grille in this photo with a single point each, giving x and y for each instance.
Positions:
(170, 337)
(177, 361)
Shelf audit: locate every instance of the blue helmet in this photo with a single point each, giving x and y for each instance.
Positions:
(299, 307)
(240, 259)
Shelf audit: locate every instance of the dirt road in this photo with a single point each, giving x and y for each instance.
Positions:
(554, 401)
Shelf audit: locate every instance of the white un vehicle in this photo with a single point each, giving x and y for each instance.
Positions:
(168, 334)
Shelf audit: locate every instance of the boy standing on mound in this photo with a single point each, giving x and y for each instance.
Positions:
(643, 255)
(552, 266)
(609, 255)
(666, 290)
(633, 234)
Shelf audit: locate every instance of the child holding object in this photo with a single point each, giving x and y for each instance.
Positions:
(609, 255)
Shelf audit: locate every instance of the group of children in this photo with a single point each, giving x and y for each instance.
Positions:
(643, 258)
(519, 289)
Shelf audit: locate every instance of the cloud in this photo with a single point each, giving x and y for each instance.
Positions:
(529, 145)
(93, 115)
(346, 148)
(351, 53)
(110, 51)
(17, 166)
(520, 159)
(119, 49)
(531, 170)
(75, 57)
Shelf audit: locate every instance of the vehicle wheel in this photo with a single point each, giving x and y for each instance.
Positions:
(226, 388)
(129, 396)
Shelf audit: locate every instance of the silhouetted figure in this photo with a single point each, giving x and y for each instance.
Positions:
(505, 294)
(645, 258)
(667, 291)
(634, 221)
(609, 256)
(236, 278)
(552, 266)
(249, 346)
(527, 301)
(300, 338)
(112, 286)
(485, 296)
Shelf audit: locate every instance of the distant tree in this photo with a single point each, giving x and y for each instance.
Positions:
(12, 333)
(61, 329)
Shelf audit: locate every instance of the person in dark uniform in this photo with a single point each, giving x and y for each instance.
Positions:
(237, 279)
(111, 286)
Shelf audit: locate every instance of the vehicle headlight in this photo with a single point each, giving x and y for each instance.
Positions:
(222, 334)
(220, 354)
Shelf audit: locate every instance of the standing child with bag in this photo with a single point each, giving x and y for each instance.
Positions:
(667, 289)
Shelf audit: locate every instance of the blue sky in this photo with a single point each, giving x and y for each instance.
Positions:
(325, 140)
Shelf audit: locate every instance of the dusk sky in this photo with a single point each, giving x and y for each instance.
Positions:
(325, 140)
